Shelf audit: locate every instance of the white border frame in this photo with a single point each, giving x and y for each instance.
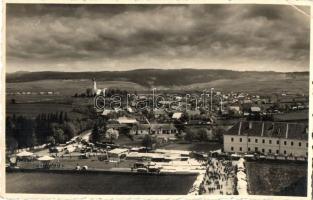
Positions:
(81, 197)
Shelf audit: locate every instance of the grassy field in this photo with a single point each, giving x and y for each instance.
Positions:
(97, 184)
(268, 84)
(274, 178)
(33, 109)
(249, 83)
(68, 87)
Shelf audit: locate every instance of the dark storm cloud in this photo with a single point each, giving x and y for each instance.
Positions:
(267, 11)
(113, 36)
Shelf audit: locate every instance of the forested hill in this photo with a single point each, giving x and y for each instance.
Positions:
(150, 77)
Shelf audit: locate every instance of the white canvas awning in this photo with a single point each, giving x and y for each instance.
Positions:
(24, 154)
(45, 158)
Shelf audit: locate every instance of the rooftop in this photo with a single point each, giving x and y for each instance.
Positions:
(162, 126)
(118, 151)
(270, 129)
(126, 120)
(177, 115)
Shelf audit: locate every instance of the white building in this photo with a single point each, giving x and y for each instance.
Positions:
(95, 90)
(126, 120)
(177, 115)
(163, 129)
(118, 153)
(269, 138)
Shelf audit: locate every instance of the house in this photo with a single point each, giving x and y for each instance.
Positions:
(177, 115)
(265, 99)
(126, 120)
(247, 101)
(106, 112)
(301, 99)
(130, 110)
(193, 113)
(235, 108)
(118, 153)
(140, 129)
(268, 138)
(163, 129)
(255, 109)
(178, 98)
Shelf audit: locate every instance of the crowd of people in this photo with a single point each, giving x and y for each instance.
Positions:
(219, 178)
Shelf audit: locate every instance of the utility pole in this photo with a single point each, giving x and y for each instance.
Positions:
(212, 99)
(153, 90)
(221, 103)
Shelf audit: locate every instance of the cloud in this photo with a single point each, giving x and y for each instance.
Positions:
(110, 37)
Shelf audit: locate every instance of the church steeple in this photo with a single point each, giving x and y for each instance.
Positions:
(94, 86)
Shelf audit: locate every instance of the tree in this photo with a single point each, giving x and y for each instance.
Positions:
(66, 117)
(61, 118)
(26, 132)
(51, 140)
(11, 143)
(148, 141)
(59, 135)
(69, 129)
(180, 123)
(99, 130)
(95, 134)
(190, 135)
(89, 92)
(218, 134)
(111, 134)
(202, 134)
(10, 126)
(32, 139)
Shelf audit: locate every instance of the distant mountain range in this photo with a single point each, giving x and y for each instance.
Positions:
(154, 77)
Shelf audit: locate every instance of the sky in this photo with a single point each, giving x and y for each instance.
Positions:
(51, 37)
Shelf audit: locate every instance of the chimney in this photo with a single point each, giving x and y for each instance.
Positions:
(287, 127)
(239, 129)
(250, 125)
(262, 133)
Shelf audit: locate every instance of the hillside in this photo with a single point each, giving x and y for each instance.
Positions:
(147, 77)
(180, 79)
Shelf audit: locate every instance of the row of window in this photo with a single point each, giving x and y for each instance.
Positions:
(270, 141)
(256, 149)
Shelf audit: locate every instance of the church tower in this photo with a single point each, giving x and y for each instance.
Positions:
(94, 86)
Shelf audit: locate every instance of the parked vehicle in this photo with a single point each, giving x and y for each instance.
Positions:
(142, 170)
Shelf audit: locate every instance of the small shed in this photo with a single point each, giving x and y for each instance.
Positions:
(118, 153)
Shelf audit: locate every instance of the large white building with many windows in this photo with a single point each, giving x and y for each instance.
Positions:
(268, 138)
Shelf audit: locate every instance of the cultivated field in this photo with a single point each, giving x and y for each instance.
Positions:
(68, 87)
(249, 83)
(275, 178)
(266, 85)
